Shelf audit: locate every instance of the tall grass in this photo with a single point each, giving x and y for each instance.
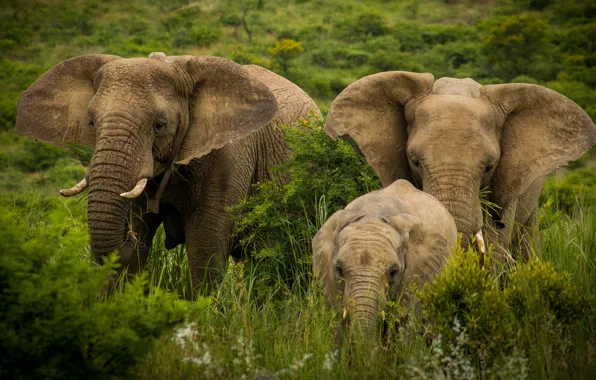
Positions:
(293, 334)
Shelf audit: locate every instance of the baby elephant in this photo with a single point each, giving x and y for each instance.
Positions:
(377, 247)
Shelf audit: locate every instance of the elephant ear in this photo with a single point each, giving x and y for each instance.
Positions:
(54, 108)
(370, 113)
(227, 103)
(323, 248)
(426, 252)
(542, 131)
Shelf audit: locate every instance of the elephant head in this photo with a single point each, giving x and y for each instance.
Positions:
(363, 259)
(453, 137)
(142, 115)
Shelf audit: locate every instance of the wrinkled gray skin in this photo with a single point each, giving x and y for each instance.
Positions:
(212, 121)
(454, 137)
(376, 248)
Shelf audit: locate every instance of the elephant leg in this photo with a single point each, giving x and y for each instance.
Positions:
(208, 243)
(526, 235)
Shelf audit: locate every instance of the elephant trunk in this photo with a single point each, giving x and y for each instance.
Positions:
(111, 173)
(460, 194)
(363, 303)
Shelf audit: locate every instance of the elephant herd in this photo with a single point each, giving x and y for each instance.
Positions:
(179, 139)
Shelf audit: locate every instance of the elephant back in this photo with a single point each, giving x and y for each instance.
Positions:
(293, 103)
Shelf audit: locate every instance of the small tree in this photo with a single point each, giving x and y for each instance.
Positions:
(284, 51)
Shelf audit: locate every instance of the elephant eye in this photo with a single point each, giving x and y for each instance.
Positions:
(415, 161)
(393, 272)
(159, 125)
(91, 124)
(489, 168)
(339, 270)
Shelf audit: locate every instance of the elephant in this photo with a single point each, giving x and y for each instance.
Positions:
(456, 140)
(378, 247)
(177, 140)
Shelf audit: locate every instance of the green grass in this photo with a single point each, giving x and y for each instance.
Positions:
(268, 317)
(243, 334)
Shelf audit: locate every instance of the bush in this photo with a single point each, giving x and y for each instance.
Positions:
(513, 44)
(467, 294)
(361, 27)
(333, 56)
(484, 320)
(387, 61)
(278, 223)
(409, 37)
(535, 290)
(51, 316)
(285, 51)
(36, 156)
(578, 188)
(188, 26)
(436, 34)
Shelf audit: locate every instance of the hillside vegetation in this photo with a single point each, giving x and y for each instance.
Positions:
(535, 320)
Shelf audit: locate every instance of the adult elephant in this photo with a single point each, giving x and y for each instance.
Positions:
(182, 136)
(454, 137)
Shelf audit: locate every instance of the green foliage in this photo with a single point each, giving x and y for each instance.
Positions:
(536, 289)
(330, 56)
(37, 156)
(492, 42)
(514, 43)
(485, 319)
(361, 26)
(51, 315)
(284, 51)
(577, 188)
(186, 28)
(278, 223)
(466, 293)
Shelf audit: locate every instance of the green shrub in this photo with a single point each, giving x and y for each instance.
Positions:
(333, 56)
(8, 110)
(467, 294)
(535, 290)
(188, 26)
(524, 79)
(387, 43)
(200, 35)
(482, 319)
(409, 37)
(36, 156)
(51, 316)
(278, 223)
(230, 20)
(513, 44)
(436, 34)
(64, 171)
(577, 188)
(389, 60)
(361, 27)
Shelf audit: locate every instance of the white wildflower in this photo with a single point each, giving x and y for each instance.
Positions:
(183, 334)
(330, 359)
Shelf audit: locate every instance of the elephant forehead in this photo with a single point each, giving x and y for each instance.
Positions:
(136, 70)
(369, 235)
(455, 109)
(454, 86)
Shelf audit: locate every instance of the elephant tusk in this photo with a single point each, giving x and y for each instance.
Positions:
(480, 241)
(137, 190)
(382, 315)
(76, 189)
(345, 314)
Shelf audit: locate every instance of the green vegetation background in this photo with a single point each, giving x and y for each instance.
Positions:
(547, 312)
